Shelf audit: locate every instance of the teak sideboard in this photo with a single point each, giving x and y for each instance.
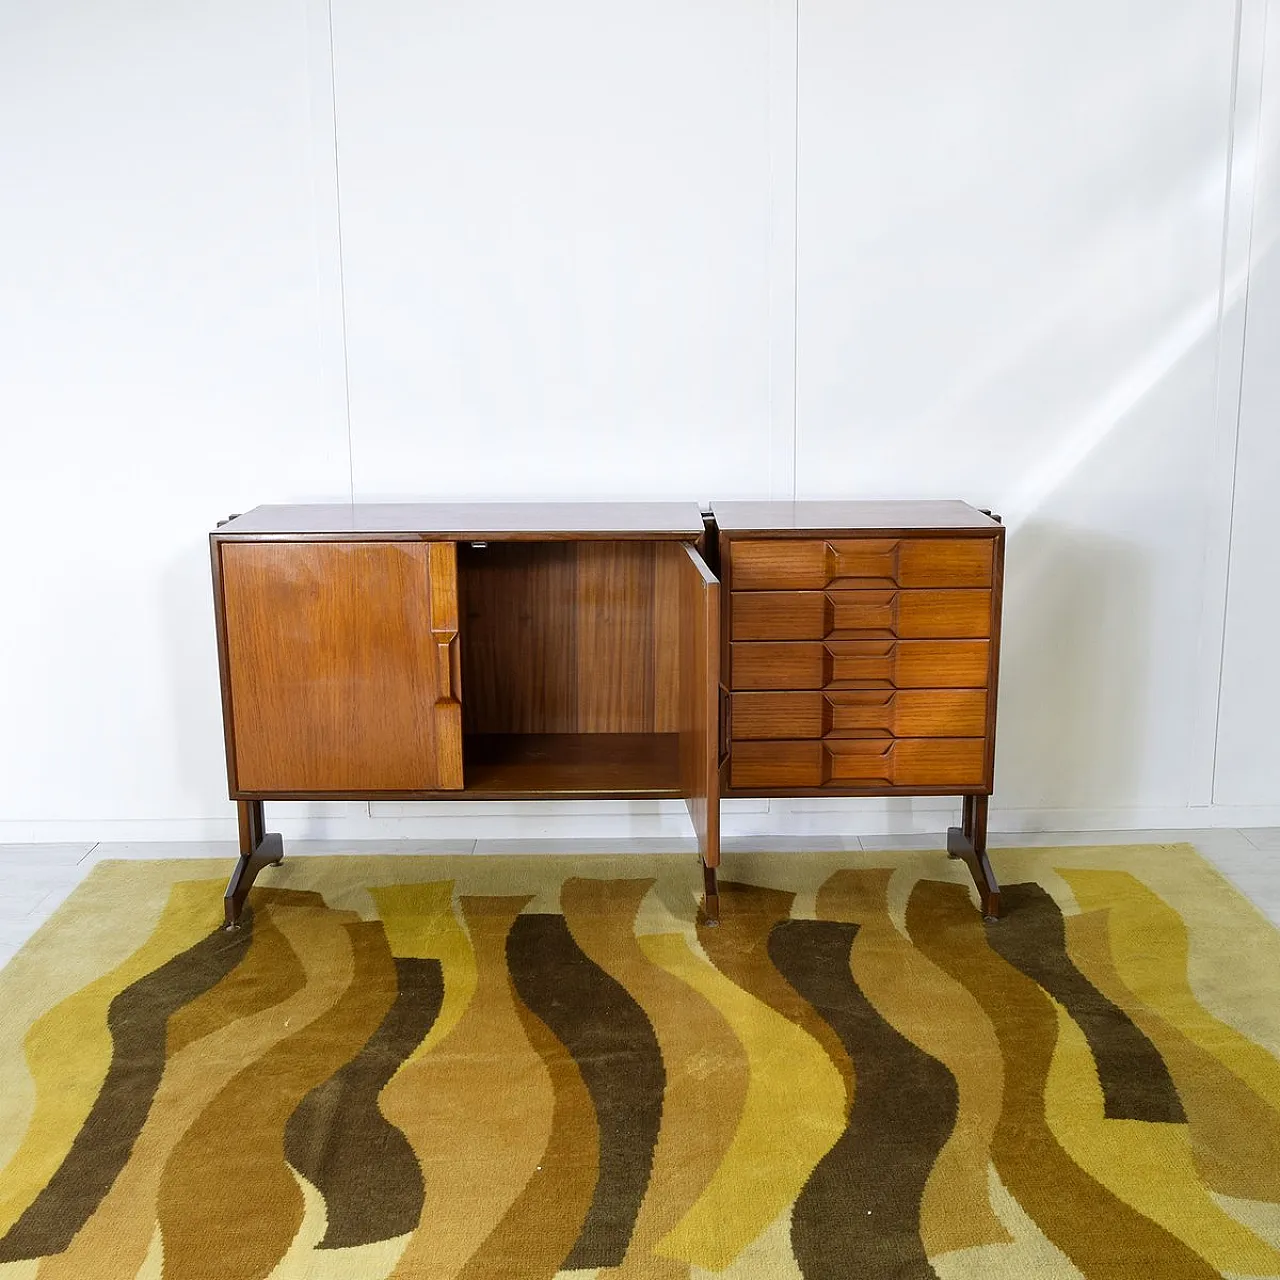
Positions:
(609, 651)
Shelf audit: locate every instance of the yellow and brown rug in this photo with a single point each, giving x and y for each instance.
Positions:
(531, 1067)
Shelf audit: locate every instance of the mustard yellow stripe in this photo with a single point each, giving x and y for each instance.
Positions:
(1149, 1166)
(421, 923)
(795, 1109)
(1150, 950)
(69, 1048)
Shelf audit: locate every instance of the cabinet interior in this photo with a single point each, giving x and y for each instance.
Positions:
(570, 667)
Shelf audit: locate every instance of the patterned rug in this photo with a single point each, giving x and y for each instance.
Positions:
(535, 1067)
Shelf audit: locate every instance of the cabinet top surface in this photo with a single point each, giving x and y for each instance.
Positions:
(886, 515)
(497, 520)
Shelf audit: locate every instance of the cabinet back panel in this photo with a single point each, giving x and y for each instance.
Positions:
(569, 637)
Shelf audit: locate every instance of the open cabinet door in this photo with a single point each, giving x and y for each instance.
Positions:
(699, 708)
(342, 665)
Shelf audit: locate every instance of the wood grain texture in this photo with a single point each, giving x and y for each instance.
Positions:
(861, 664)
(333, 669)
(699, 643)
(905, 713)
(902, 614)
(859, 762)
(569, 637)
(519, 639)
(458, 521)
(574, 765)
(803, 564)
(908, 517)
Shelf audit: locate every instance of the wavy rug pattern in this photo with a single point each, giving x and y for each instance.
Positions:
(429, 1068)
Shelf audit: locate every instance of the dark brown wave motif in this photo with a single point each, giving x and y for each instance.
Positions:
(341, 1143)
(903, 1111)
(852, 1076)
(613, 1045)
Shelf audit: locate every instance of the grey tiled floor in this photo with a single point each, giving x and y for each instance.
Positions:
(35, 878)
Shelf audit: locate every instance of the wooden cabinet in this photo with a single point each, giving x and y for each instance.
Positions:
(860, 648)
(585, 651)
(435, 652)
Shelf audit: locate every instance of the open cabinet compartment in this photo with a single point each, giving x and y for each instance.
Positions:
(579, 667)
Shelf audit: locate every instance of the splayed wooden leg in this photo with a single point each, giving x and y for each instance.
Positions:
(710, 896)
(258, 848)
(969, 841)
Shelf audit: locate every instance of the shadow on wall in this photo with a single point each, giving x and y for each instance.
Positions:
(1072, 680)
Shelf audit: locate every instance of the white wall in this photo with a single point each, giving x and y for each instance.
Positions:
(584, 250)
(1248, 751)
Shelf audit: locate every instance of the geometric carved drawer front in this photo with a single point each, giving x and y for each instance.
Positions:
(859, 762)
(816, 615)
(862, 664)
(870, 713)
(863, 562)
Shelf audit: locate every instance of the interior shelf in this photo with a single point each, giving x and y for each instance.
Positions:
(574, 766)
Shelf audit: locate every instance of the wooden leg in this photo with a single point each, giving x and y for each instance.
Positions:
(966, 823)
(710, 896)
(970, 843)
(258, 849)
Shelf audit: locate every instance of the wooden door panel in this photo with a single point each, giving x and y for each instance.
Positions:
(862, 664)
(803, 564)
(816, 615)
(699, 645)
(343, 665)
(858, 763)
(905, 713)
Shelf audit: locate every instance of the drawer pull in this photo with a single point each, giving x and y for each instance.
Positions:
(821, 615)
(809, 564)
(905, 713)
(861, 664)
(928, 763)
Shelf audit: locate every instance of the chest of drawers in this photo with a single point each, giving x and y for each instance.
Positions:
(859, 655)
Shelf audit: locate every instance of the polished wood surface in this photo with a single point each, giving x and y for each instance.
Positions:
(858, 762)
(699, 643)
(903, 713)
(573, 766)
(969, 842)
(570, 637)
(910, 517)
(460, 521)
(334, 669)
(802, 564)
(581, 651)
(861, 664)
(861, 642)
(819, 615)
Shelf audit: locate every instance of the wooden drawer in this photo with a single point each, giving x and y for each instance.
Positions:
(861, 664)
(869, 713)
(858, 763)
(773, 565)
(816, 615)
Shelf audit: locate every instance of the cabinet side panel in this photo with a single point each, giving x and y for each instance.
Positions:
(699, 641)
(333, 670)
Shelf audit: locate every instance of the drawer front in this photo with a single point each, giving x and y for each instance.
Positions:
(861, 664)
(869, 713)
(857, 763)
(816, 615)
(778, 564)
